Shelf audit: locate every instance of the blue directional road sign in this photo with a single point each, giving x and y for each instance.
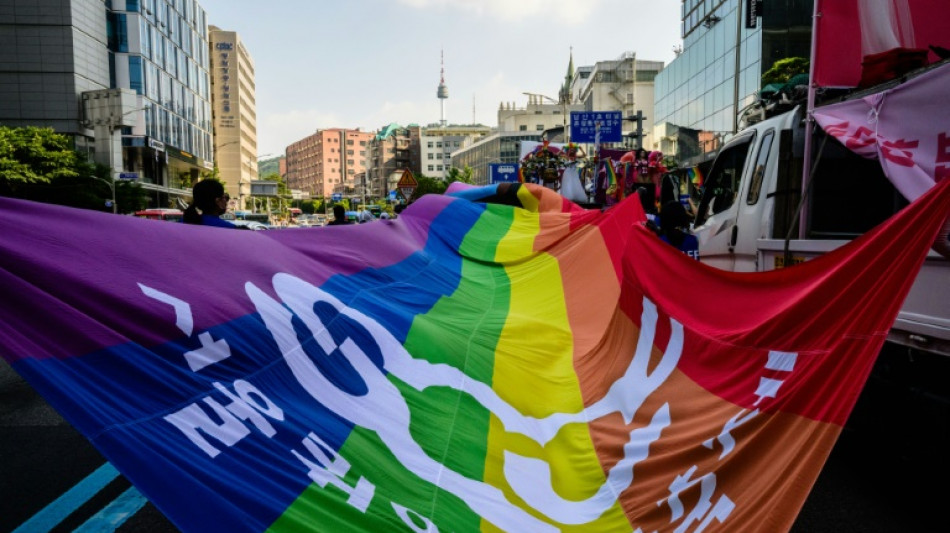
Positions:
(336, 197)
(392, 195)
(503, 172)
(585, 126)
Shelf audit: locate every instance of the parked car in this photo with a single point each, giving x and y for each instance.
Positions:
(250, 224)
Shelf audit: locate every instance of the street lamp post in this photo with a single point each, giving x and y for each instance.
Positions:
(567, 135)
(112, 188)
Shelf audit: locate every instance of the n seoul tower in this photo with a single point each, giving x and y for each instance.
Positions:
(443, 91)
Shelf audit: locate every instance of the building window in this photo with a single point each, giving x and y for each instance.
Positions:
(539, 127)
(523, 127)
(135, 74)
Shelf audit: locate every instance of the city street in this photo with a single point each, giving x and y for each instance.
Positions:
(874, 482)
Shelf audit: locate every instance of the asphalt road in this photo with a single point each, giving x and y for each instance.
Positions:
(886, 474)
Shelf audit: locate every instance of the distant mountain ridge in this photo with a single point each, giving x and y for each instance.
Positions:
(268, 166)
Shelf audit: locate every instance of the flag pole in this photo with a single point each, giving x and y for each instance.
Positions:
(809, 121)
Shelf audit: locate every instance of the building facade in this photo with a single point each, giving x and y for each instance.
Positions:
(727, 46)
(327, 162)
(392, 150)
(624, 84)
(42, 86)
(437, 143)
(64, 60)
(234, 113)
(499, 147)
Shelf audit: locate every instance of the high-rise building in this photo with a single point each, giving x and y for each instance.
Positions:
(727, 46)
(329, 161)
(128, 79)
(234, 113)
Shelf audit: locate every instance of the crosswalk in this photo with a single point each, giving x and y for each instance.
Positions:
(108, 519)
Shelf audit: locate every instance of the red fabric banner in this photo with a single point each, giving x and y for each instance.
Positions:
(910, 24)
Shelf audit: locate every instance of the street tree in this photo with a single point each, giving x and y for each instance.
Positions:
(784, 70)
(41, 165)
(465, 175)
(427, 185)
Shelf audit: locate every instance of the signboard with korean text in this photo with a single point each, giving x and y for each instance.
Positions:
(585, 126)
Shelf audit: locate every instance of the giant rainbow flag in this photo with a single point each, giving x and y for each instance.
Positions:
(495, 359)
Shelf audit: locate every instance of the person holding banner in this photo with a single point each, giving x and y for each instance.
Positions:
(339, 216)
(208, 203)
(674, 229)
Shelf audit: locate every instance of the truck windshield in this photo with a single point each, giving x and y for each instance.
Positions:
(722, 184)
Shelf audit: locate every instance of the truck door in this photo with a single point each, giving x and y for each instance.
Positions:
(754, 205)
(715, 223)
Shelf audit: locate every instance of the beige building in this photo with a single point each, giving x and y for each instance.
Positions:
(234, 114)
(624, 84)
(437, 142)
(327, 162)
(540, 115)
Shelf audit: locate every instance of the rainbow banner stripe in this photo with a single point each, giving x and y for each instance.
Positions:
(695, 176)
(495, 359)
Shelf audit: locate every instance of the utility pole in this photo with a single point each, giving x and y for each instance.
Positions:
(639, 134)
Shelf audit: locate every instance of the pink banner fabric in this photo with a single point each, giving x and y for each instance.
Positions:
(907, 128)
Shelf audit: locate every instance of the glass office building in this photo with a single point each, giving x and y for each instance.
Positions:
(159, 49)
(727, 46)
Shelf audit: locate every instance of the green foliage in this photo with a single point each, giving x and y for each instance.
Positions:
(268, 166)
(784, 69)
(465, 175)
(213, 174)
(428, 185)
(41, 165)
(281, 186)
(30, 156)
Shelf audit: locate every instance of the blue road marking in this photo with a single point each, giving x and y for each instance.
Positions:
(57, 511)
(115, 514)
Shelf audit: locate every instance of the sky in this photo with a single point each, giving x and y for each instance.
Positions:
(368, 63)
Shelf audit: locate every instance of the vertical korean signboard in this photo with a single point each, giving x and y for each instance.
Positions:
(223, 83)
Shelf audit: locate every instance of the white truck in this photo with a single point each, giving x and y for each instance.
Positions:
(747, 220)
(748, 216)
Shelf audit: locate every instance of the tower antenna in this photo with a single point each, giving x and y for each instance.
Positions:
(443, 92)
